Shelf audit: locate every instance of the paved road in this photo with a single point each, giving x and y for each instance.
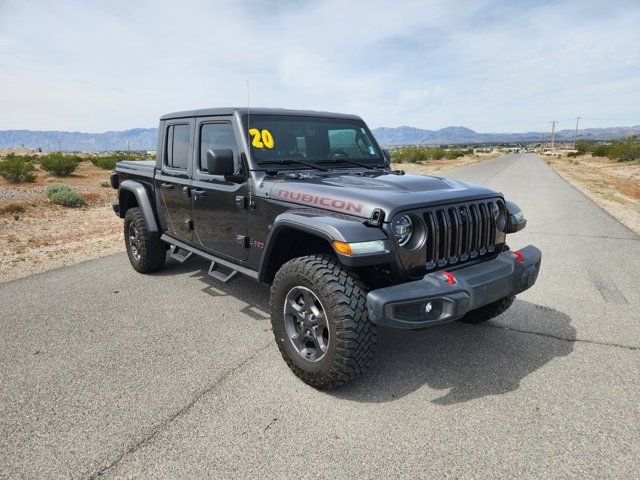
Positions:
(107, 372)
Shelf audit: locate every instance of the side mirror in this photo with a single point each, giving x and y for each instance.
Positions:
(387, 156)
(220, 162)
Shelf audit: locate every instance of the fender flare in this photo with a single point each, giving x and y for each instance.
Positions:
(142, 197)
(328, 226)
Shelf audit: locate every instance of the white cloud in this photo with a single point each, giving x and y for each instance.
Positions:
(488, 65)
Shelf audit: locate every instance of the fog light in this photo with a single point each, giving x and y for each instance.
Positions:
(428, 307)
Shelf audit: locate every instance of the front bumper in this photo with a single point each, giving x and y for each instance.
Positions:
(440, 298)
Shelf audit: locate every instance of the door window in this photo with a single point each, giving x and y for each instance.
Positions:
(217, 136)
(178, 140)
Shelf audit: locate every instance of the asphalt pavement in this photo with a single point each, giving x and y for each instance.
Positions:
(106, 372)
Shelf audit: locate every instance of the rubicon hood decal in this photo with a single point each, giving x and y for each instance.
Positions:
(329, 202)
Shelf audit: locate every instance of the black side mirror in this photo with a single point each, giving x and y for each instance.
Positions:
(220, 162)
(387, 156)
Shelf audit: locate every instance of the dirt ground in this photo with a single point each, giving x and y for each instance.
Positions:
(433, 167)
(36, 235)
(613, 185)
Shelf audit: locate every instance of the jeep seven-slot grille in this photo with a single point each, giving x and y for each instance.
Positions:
(459, 233)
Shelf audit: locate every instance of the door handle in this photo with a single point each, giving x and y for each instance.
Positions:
(167, 186)
(196, 194)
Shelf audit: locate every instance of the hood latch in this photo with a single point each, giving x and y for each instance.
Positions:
(376, 219)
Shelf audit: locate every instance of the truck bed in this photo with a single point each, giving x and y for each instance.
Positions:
(138, 168)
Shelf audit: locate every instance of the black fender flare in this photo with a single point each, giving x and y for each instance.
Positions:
(328, 226)
(142, 197)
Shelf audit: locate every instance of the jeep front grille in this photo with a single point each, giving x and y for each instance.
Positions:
(459, 233)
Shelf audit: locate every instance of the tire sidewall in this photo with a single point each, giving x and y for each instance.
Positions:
(288, 281)
(130, 218)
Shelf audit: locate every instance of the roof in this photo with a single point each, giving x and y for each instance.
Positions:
(210, 112)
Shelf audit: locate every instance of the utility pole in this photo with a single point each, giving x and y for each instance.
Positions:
(553, 134)
(128, 146)
(59, 149)
(575, 135)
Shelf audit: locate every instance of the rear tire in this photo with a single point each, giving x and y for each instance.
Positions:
(489, 311)
(147, 253)
(320, 321)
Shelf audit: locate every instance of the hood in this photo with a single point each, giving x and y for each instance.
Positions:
(360, 193)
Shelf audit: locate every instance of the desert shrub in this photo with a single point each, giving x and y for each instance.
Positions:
(424, 154)
(105, 184)
(437, 153)
(65, 196)
(108, 161)
(17, 169)
(410, 154)
(12, 208)
(573, 154)
(584, 146)
(601, 150)
(625, 150)
(453, 154)
(59, 165)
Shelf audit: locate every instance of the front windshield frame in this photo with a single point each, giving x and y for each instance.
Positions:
(374, 155)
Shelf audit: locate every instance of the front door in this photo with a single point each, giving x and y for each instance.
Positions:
(174, 182)
(219, 204)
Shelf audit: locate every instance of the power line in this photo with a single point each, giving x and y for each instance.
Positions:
(553, 133)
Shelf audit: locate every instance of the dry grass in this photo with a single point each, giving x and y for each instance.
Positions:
(613, 185)
(36, 236)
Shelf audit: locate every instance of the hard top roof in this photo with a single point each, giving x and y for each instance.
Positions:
(210, 112)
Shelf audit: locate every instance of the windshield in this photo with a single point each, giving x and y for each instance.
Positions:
(287, 138)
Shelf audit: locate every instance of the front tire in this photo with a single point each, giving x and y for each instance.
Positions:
(320, 322)
(147, 253)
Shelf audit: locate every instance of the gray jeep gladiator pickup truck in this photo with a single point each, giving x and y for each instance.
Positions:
(308, 203)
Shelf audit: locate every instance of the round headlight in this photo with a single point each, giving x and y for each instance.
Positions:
(402, 229)
(500, 215)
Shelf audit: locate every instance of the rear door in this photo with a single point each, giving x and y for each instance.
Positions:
(174, 181)
(219, 213)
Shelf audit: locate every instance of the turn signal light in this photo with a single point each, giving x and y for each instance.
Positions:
(519, 257)
(359, 248)
(342, 247)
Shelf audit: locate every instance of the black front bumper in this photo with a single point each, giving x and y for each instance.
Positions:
(441, 297)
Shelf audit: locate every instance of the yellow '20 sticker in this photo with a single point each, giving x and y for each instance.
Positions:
(261, 139)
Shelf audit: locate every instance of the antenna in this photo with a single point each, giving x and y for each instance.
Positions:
(248, 112)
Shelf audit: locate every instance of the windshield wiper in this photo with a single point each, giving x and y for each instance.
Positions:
(352, 162)
(301, 162)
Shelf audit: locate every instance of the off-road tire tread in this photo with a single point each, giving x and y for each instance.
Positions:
(346, 297)
(489, 311)
(153, 251)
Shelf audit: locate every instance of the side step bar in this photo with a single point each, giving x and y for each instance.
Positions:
(177, 256)
(213, 272)
(216, 262)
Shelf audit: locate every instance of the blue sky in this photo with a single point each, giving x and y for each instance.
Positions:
(491, 66)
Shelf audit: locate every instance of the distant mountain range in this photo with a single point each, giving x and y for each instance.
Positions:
(457, 135)
(146, 138)
(135, 139)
